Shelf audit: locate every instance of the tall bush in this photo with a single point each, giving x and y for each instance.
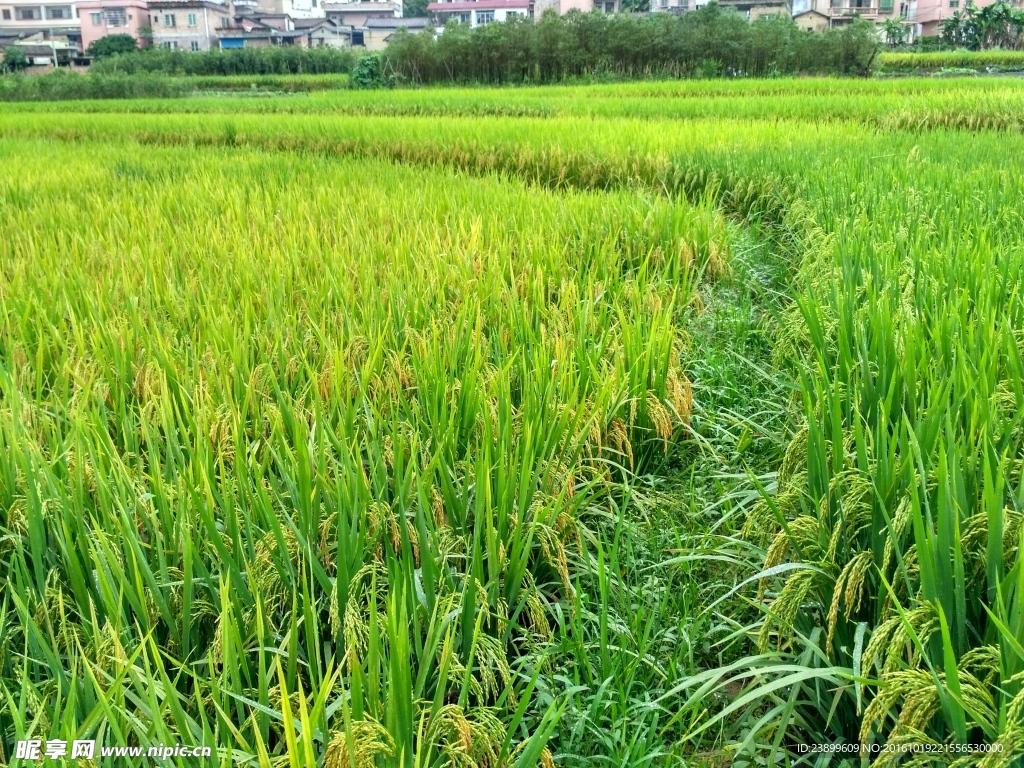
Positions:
(243, 61)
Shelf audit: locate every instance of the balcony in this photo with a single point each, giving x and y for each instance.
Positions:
(849, 11)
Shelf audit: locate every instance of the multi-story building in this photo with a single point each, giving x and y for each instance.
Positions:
(100, 18)
(753, 9)
(828, 14)
(476, 13)
(52, 18)
(927, 17)
(562, 7)
(189, 25)
(670, 6)
(296, 9)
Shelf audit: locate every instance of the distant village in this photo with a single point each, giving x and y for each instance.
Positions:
(56, 33)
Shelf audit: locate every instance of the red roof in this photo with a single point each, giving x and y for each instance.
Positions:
(481, 5)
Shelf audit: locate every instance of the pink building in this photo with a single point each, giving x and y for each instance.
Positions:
(927, 16)
(111, 17)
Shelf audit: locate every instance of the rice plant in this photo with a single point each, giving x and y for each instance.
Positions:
(521, 428)
(297, 483)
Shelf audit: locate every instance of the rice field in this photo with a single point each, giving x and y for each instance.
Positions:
(652, 425)
(910, 103)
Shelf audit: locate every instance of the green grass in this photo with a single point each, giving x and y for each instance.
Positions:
(467, 439)
(997, 60)
(272, 83)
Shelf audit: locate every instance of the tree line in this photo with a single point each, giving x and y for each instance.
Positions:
(272, 60)
(711, 41)
(999, 25)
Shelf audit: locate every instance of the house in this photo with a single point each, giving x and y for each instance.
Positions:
(808, 13)
(478, 12)
(53, 17)
(378, 32)
(190, 25)
(811, 20)
(324, 33)
(43, 49)
(753, 9)
(927, 17)
(670, 6)
(356, 14)
(297, 9)
(100, 18)
(39, 55)
(250, 32)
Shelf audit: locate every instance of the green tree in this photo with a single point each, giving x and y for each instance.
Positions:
(368, 72)
(954, 30)
(414, 9)
(895, 31)
(15, 59)
(996, 26)
(635, 6)
(112, 45)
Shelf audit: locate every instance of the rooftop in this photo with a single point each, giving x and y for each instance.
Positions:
(162, 4)
(411, 23)
(36, 50)
(308, 24)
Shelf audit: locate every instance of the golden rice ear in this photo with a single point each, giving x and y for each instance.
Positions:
(680, 392)
(618, 438)
(853, 576)
(660, 418)
(361, 746)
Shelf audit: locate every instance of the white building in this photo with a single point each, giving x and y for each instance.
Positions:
(476, 13)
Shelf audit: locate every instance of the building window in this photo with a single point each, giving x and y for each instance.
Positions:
(357, 37)
(465, 18)
(484, 17)
(7, 15)
(193, 46)
(115, 17)
(191, 19)
(609, 7)
(954, 3)
(27, 14)
(173, 45)
(169, 20)
(97, 19)
(59, 12)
